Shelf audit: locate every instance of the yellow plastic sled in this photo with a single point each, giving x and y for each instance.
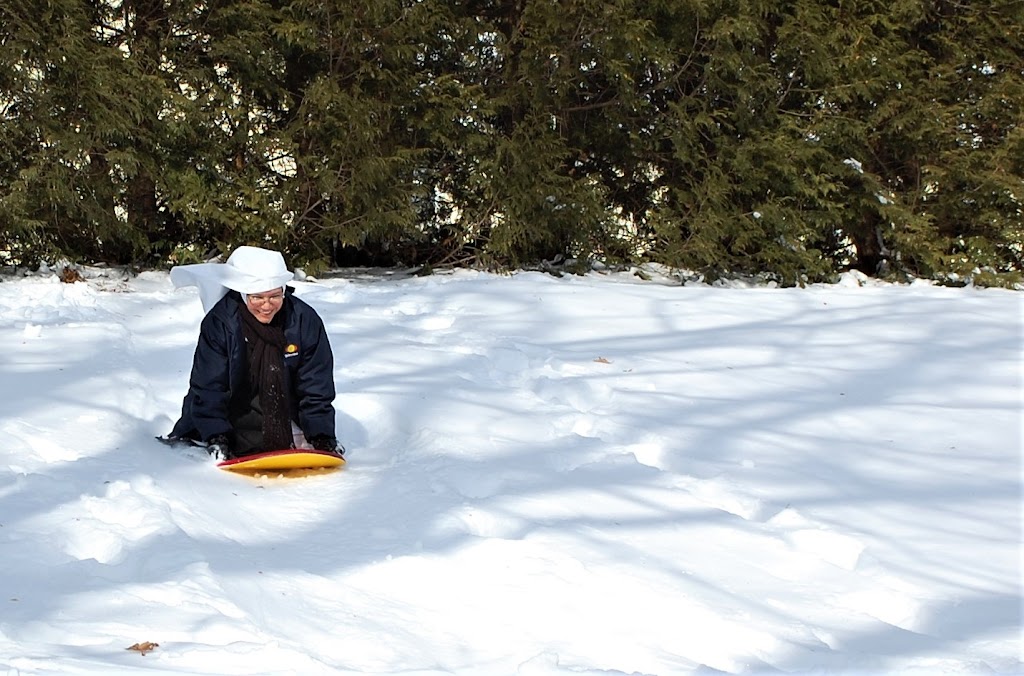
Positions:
(290, 462)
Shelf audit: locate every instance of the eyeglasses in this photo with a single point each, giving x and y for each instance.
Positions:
(273, 299)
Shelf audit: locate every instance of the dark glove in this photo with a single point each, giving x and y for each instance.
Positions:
(327, 444)
(218, 447)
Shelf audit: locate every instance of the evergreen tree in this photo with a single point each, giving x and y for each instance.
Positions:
(556, 101)
(813, 138)
(94, 118)
(734, 189)
(791, 139)
(65, 103)
(921, 113)
(227, 164)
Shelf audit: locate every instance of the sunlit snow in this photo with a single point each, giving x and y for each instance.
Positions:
(584, 475)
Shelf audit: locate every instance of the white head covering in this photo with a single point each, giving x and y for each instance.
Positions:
(249, 269)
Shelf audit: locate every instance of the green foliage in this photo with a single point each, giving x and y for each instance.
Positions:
(792, 140)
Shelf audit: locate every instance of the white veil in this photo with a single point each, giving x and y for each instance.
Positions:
(249, 269)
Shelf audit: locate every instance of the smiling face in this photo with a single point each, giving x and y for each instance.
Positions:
(266, 304)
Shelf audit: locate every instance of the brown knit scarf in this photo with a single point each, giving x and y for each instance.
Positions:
(266, 346)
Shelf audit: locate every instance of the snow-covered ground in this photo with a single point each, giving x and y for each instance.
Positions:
(585, 475)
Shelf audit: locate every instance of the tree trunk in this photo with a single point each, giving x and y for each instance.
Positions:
(147, 23)
(872, 254)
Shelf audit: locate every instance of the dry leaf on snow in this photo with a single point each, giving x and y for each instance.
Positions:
(69, 275)
(143, 647)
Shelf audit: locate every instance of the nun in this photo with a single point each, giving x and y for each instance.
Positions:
(263, 372)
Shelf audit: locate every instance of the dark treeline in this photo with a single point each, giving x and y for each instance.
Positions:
(790, 138)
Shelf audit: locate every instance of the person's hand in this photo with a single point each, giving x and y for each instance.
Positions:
(218, 447)
(327, 444)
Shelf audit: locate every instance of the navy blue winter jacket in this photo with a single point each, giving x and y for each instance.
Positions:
(220, 370)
